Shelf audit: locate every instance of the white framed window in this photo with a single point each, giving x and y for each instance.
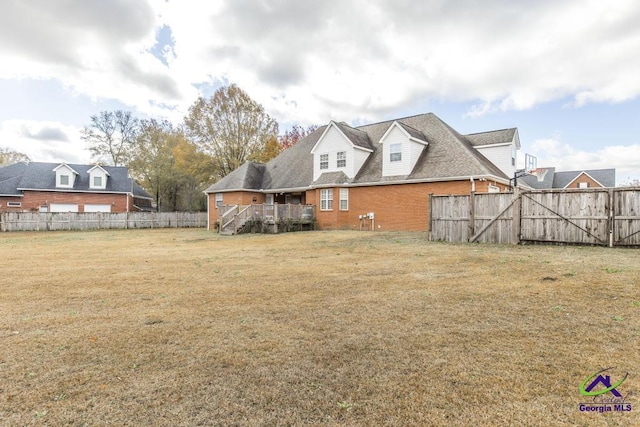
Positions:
(97, 181)
(64, 180)
(494, 188)
(342, 159)
(344, 199)
(326, 199)
(395, 152)
(324, 161)
(583, 185)
(218, 199)
(14, 204)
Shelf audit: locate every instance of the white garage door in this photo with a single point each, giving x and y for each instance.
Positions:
(63, 207)
(97, 208)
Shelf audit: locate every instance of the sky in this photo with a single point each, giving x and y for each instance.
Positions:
(565, 73)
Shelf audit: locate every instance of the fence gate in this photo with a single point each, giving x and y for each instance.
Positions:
(566, 216)
(626, 217)
(598, 216)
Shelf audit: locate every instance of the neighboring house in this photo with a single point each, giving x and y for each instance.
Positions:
(547, 178)
(388, 169)
(62, 187)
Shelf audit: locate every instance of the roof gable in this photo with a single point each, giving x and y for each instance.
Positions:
(96, 168)
(356, 138)
(411, 133)
(65, 166)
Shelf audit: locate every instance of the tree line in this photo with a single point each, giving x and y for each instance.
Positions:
(176, 163)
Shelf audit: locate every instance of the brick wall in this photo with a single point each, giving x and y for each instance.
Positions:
(584, 178)
(233, 198)
(399, 207)
(32, 200)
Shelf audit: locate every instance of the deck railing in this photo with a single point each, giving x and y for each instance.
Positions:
(232, 218)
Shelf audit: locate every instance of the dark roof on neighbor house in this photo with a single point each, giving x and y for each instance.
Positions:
(448, 155)
(553, 179)
(41, 176)
(606, 177)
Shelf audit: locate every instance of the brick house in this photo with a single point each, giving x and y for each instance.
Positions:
(387, 169)
(548, 178)
(62, 187)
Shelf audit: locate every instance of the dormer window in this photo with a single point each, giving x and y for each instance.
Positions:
(342, 159)
(98, 178)
(395, 152)
(324, 161)
(65, 176)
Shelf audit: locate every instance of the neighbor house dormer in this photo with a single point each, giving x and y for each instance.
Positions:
(500, 147)
(341, 148)
(65, 176)
(98, 178)
(401, 147)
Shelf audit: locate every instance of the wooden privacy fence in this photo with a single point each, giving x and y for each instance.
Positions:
(40, 221)
(605, 216)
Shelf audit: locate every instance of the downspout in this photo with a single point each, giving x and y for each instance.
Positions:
(208, 213)
(473, 184)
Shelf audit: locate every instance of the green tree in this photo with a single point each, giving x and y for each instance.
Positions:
(111, 136)
(152, 158)
(9, 157)
(170, 167)
(230, 127)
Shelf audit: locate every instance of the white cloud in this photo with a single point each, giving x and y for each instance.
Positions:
(44, 141)
(553, 152)
(310, 61)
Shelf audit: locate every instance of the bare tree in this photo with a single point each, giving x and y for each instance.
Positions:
(111, 136)
(9, 157)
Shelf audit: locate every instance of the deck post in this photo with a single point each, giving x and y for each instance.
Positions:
(275, 218)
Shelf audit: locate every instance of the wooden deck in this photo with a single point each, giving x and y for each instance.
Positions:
(263, 218)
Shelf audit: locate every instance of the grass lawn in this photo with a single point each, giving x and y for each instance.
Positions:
(186, 328)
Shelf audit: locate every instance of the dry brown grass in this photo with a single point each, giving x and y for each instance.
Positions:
(184, 328)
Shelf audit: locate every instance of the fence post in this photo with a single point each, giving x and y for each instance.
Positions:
(472, 214)
(611, 216)
(3, 221)
(516, 218)
(430, 219)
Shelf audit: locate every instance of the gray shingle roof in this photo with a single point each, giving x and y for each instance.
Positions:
(356, 136)
(40, 176)
(606, 177)
(492, 137)
(10, 177)
(449, 155)
(553, 179)
(414, 133)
